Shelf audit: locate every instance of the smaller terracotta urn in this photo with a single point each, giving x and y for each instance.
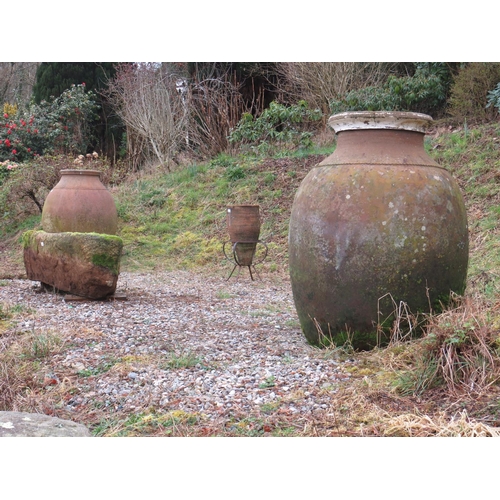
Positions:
(80, 203)
(243, 223)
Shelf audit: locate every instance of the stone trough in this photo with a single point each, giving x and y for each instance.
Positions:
(83, 264)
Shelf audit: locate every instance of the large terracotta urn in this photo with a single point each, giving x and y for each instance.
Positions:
(375, 225)
(80, 203)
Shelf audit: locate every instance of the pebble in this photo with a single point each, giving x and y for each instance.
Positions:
(174, 343)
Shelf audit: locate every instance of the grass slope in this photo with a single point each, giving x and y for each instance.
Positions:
(178, 220)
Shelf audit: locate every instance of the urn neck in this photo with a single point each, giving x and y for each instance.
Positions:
(88, 173)
(380, 147)
(80, 179)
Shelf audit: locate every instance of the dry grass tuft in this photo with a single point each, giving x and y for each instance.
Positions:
(418, 425)
(404, 324)
(22, 371)
(459, 351)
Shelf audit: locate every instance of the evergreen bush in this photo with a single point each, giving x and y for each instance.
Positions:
(278, 124)
(470, 92)
(424, 92)
(494, 97)
(61, 125)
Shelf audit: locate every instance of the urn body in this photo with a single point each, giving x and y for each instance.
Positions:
(243, 224)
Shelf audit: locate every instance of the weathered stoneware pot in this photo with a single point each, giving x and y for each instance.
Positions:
(376, 223)
(243, 224)
(80, 203)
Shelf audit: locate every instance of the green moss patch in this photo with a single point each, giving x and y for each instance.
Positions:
(108, 261)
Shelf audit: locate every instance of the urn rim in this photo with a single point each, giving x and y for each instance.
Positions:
(79, 171)
(380, 120)
(243, 205)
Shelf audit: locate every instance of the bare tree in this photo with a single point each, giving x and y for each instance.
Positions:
(146, 98)
(16, 81)
(215, 105)
(318, 83)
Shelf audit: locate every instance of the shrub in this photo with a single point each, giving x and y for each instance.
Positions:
(61, 125)
(5, 169)
(424, 92)
(277, 124)
(19, 136)
(494, 97)
(318, 83)
(215, 107)
(470, 90)
(24, 191)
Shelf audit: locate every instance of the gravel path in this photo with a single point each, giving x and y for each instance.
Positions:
(221, 350)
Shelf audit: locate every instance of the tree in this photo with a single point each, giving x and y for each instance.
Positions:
(53, 78)
(255, 81)
(16, 82)
(147, 99)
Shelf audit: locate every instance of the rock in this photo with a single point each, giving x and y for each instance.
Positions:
(21, 424)
(83, 264)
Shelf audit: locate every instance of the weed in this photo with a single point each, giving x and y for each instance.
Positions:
(235, 173)
(331, 349)
(286, 358)
(459, 425)
(268, 383)
(183, 360)
(102, 367)
(20, 308)
(222, 160)
(284, 431)
(259, 313)
(5, 312)
(147, 424)
(250, 427)
(423, 376)
(8, 311)
(21, 359)
(269, 178)
(400, 325)
(41, 345)
(269, 408)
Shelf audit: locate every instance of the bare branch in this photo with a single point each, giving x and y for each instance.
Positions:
(318, 83)
(147, 100)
